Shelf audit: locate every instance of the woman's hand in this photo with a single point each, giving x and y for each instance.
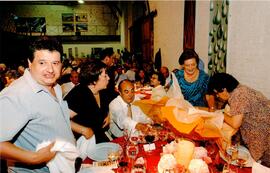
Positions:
(106, 121)
(87, 132)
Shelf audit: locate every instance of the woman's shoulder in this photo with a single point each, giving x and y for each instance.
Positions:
(202, 73)
(179, 73)
(78, 91)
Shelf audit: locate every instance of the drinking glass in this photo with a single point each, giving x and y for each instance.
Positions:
(126, 135)
(114, 155)
(242, 159)
(149, 138)
(132, 151)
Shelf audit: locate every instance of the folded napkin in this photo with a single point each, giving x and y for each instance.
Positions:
(64, 160)
(258, 168)
(96, 170)
(86, 146)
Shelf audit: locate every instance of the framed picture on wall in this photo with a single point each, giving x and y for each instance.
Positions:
(30, 24)
(67, 17)
(81, 17)
(81, 27)
(68, 27)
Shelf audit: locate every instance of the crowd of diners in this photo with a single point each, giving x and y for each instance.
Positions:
(95, 95)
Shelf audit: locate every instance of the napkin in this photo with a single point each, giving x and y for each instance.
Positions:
(96, 170)
(64, 160)
(86, 146)
(258, 168)
(180, 126)
(150, 107)
(206, 124)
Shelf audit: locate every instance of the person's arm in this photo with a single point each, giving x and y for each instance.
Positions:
(87, 132)
(11, 152)
(106, 121)
(234, 121)
(210, 102)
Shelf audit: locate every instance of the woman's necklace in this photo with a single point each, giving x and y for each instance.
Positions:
(191, 78)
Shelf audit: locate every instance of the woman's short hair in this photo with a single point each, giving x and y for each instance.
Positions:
(219, 81)
(188, 54)
(90, 71)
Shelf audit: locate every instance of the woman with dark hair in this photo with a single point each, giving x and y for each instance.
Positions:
(141, 77)
(89, 107)
(248, 110)
(157, 81)
(193, 82)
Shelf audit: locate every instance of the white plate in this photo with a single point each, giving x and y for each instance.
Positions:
(241, 150)
(100, 153)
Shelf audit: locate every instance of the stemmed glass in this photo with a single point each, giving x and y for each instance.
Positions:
(231, 155)
(242, 159)
(149, 138)
(132, 151)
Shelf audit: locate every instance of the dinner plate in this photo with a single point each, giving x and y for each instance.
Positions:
(241, 151)
(100, 153)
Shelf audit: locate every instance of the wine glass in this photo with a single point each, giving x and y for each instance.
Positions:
(114, 155)
(242, 159)
(132, 151)
(126, 134)
(149, 138)
(134, 137)
(163, 135)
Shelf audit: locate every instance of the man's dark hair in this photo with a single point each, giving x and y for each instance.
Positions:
(45, 43)
(106, 52)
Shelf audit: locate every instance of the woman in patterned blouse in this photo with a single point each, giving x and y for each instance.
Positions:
(249, 111)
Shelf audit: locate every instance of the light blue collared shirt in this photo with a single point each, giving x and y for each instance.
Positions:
(30, 115)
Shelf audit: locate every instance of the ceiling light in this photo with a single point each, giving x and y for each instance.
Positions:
(81, 1)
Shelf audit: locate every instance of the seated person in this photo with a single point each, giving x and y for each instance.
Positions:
(74, 80)
(142, 78)
(248, 110)
(165, 72)
(193, 82)
(157, 82)
(88, 104)
(124, 115)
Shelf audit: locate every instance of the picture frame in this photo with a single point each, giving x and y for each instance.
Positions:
(81, 27)
(31, 24)
(67, 17)
(81, 17)
(68, 27)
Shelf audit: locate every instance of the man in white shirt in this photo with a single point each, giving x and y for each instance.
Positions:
(74, 80)
(121, 118)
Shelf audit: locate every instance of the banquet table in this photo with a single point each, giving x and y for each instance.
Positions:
(152, 158)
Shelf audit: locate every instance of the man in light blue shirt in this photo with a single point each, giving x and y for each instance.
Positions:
(32, 111)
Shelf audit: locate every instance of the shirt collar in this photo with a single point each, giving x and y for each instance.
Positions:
(37, 87)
